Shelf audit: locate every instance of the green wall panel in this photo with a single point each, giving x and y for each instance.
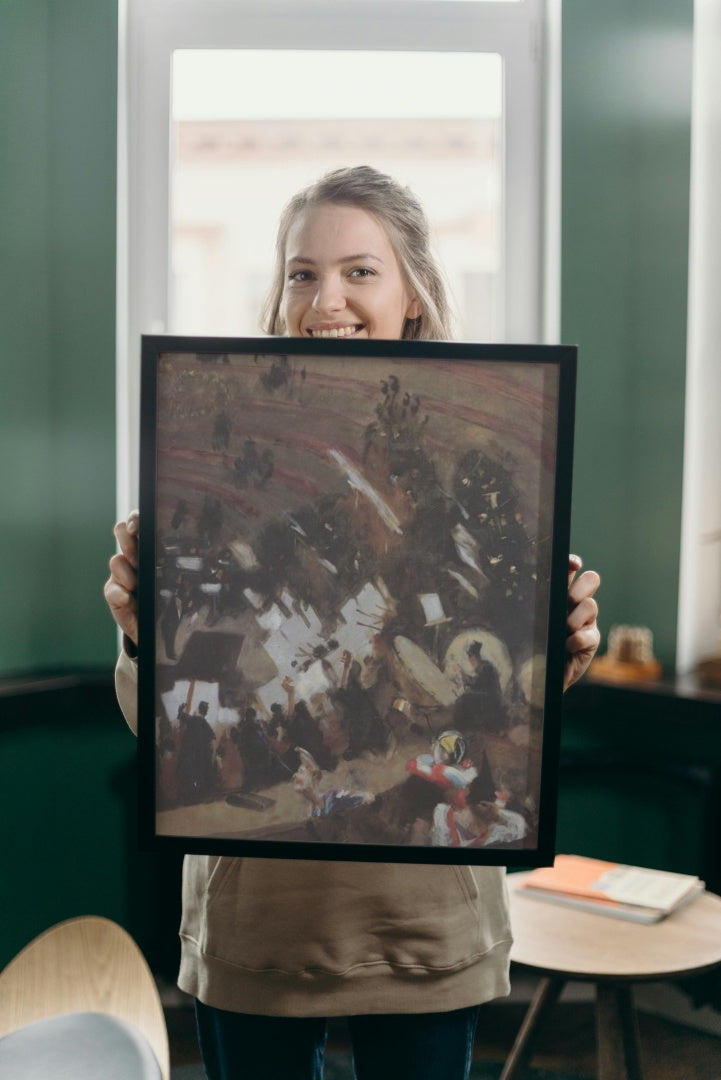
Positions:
(82, 299)
(626, 146)
(58, 76)
(26, 483)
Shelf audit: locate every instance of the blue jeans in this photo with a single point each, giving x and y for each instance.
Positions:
(414, 1046)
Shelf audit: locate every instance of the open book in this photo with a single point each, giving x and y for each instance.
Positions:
(608, 888)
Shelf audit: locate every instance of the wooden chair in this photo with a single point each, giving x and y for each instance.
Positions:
(80, 975)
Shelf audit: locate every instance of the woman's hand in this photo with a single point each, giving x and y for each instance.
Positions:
(121, 587)
(582, 633)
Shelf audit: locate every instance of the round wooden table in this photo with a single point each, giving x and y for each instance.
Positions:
(563, 944)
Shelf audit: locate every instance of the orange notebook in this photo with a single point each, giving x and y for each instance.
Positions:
(632, 892)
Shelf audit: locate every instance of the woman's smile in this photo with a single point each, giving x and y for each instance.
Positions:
(335, 331)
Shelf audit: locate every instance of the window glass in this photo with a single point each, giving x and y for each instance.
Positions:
(251, 127)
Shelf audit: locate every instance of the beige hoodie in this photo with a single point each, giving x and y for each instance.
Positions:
(286, 937)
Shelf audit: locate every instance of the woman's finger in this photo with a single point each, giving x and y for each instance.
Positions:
(582, 614)
(126, 534)
(584, 586)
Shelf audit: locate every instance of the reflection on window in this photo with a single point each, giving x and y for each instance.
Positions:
(251, 128)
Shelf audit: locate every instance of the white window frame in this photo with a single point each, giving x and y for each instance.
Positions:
(526, 34)
(699, 598)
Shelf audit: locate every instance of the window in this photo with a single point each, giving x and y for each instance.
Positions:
(235, 160)
(227, 107)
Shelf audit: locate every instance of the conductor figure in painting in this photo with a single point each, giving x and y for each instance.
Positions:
(480, 706)
(365, 728)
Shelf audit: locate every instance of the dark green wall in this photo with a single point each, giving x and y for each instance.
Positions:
(68, 803)
(640, 777)
(58, 74)
(625, 202)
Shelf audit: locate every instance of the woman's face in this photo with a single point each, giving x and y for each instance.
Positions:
(342, 277)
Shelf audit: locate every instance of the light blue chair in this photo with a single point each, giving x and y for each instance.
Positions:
(80, 1003)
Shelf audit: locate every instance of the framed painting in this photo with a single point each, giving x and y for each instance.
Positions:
(352, 597)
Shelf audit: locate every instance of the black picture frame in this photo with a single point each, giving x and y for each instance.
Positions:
(353, 568)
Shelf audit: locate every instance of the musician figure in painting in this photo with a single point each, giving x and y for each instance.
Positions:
(307, 781)
(480, 706)
(196, 768)
(479, 823)
(446, 766)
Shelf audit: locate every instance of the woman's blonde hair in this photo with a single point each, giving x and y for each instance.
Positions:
(403, 217)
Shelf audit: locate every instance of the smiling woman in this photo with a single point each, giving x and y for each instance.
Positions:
(356, 259)
(353, 259)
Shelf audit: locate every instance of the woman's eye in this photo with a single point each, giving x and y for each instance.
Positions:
(362, 272)
(300, 276)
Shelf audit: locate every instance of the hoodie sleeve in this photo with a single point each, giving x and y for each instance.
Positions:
(126, 688)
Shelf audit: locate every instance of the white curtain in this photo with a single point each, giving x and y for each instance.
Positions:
(700, 582)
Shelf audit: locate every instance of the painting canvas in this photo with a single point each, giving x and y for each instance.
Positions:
(353, 573)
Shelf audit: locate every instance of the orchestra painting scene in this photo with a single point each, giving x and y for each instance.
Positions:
(352, 563)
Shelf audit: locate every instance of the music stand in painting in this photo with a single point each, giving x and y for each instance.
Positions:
(352, 597)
